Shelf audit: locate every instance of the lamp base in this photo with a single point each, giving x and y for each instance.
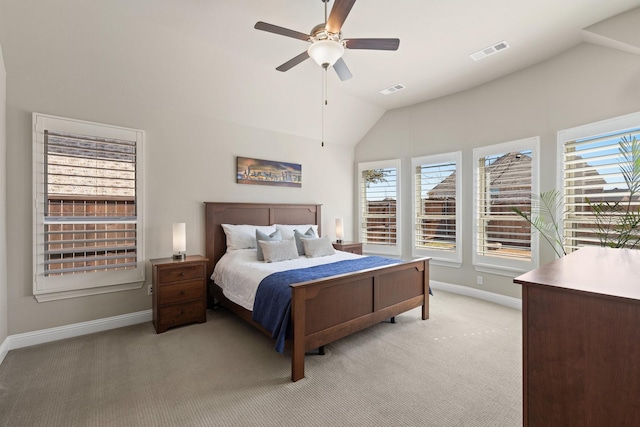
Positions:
(180, 256)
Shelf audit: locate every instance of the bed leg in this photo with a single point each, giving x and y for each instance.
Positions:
(392, 320)
(321, 350)
(298, 344)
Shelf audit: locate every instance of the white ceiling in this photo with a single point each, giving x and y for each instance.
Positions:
(205, 55)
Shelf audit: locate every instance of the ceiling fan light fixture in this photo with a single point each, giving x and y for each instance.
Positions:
(326, 52)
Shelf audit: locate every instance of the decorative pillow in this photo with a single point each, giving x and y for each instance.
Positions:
(244, 236)
(264, 237)
(318, 247)
(298, 236)
(278, 250)
(288, 230)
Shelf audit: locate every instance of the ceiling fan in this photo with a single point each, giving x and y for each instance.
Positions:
(327, 43)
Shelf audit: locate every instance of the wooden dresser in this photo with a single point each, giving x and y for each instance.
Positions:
(581, 340)
(179, 291)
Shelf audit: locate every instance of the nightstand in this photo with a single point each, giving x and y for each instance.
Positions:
(353, 247)
(179, 291)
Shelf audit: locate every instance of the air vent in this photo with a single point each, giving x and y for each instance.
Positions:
(481, 54)
(392, 89)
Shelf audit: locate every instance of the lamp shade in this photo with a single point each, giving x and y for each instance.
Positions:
(326, 52)
(179, 239)
(339, 229)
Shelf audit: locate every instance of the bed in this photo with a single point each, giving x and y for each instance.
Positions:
(327, 309)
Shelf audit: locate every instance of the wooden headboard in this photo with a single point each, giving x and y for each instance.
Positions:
(253, 214)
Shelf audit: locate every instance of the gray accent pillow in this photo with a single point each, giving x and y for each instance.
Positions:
(297, 235)
(318, 247)
(260, 236)
(278, 250)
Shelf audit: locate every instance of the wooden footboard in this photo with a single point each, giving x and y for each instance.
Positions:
(326, 310)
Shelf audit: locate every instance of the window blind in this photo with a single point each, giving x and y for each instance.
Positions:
(592, 174)
(436, 198)
(378, 224)
(504, 181)
(90, 216)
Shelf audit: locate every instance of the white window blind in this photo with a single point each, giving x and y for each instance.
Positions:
(88, 228)
(593, 176)
(436, 189)
(505, 177)
(379, 191)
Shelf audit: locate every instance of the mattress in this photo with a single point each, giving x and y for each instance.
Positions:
(238, 273)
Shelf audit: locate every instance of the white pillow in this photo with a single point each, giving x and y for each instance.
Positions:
(318, 247)
(287, 230)
(244, 236)
(275, 251)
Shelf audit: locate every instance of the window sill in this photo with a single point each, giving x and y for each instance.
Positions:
(77, 293)
(501, 271)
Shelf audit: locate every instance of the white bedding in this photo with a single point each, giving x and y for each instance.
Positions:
(239, 272)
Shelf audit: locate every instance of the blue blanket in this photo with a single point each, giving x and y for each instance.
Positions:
(272, 305)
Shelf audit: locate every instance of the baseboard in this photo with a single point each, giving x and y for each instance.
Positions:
(477, 293)
(69, 331)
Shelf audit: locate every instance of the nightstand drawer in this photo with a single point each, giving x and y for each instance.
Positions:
(179, 273)
(181, 292)
(179, 314)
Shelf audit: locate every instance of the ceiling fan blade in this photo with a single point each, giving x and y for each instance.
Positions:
(280, 30)
(342, 70)
(293, 61)
(339, 12)
(376, 44)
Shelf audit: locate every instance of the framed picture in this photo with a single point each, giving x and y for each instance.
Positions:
(268, 172)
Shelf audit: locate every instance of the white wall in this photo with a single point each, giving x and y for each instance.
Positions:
(3, 206)
(189, 159)
(583, 85)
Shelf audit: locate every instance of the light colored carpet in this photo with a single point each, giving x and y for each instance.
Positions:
(462, 367)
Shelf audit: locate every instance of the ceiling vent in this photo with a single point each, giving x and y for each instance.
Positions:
(392, 89)
(481, 54)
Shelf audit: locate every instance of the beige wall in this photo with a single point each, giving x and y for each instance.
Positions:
(583, 85)
(189, 158)
(3, 204)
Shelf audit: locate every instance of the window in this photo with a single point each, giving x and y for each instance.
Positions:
(506, 175)
(87, 190)
(436, 207)
(379, 217)
(592, 178)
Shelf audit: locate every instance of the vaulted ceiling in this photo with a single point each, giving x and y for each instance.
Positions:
(205, 56)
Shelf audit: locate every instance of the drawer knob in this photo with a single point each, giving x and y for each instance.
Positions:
(181, 273)
(181, 292)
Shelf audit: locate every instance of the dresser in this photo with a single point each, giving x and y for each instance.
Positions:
(353, 247)
(179, 291)
(581, 340)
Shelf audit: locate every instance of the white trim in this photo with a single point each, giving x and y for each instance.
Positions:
(454, 258)
(477, 293)
(485, 261)
(48, 288)
(42, 336)
(395, 250)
